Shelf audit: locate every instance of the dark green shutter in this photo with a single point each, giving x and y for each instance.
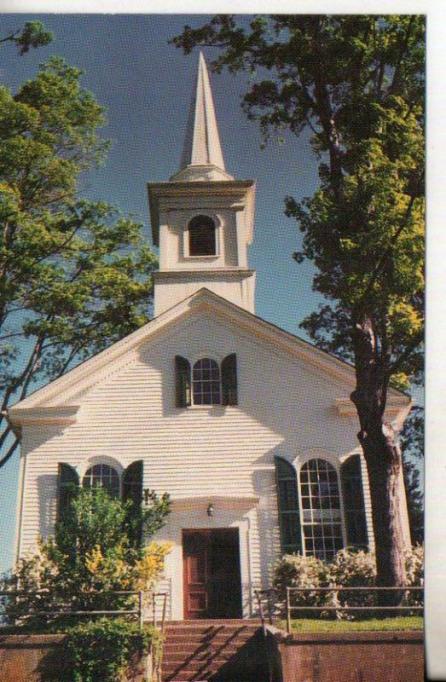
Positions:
(182, 382)
(353, 498)
(132, 490)
(229, 379)
(288, 507)
(68, 482)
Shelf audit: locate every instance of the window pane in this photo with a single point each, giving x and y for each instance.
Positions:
(322, 515)
(104, 476)
(206, 382)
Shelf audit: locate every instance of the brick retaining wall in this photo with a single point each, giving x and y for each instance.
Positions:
(348, 657)
(39, 658)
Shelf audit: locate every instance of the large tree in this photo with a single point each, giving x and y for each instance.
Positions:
(75, 275)
(357, 83)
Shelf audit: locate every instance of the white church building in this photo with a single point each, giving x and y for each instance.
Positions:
(249, 428)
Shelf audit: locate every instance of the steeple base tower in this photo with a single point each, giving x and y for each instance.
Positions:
(202, 219)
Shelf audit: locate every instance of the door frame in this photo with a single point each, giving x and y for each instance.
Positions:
(208, 532)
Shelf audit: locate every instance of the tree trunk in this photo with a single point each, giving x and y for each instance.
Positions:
(382, 453)
(384, 465)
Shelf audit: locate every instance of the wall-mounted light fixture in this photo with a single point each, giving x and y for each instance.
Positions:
(210, 509)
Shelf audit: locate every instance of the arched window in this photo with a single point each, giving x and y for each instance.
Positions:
(353, 498)
(102, 475)
(321, 509)
(202, 241)
(288, 507)
(206, 388)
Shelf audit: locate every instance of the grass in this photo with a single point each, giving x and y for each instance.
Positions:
(372, 624)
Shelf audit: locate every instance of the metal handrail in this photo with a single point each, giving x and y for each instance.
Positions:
(111, 612)
(336, 589)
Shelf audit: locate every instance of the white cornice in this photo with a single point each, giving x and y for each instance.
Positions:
(61, 415)
(164, 195)
(215, 273)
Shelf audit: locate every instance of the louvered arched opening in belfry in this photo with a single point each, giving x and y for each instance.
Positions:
(202, 237)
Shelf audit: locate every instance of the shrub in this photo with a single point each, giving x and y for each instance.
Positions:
(353, 569)
(349, 568)
(89, 558)
(294, 570)
(100, 651)
(414, 561)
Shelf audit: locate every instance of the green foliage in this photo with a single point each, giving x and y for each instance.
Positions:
(33, 34)
(100, 651)
(369, 625)
(89, 557)
(75, 275)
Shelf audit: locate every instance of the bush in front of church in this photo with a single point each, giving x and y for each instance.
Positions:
(349, 568)
(295, 570)
(90, 557)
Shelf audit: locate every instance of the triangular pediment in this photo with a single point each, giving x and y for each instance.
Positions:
(57, 399)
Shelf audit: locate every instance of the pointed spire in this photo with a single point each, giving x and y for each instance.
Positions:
(202, 158)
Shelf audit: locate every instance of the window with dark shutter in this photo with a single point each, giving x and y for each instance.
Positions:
(288, 507)
(229, 380)
(68, 482)
(353, 498)
(132, 482)
(182, 382)
(132, 490)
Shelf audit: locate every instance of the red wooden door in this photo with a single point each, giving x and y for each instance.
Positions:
(212, 586)
(196, 574)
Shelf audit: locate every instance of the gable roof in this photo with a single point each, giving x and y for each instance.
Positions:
(53, 399)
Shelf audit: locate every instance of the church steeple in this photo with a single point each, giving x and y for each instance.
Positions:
(202, 219)
(202, 157)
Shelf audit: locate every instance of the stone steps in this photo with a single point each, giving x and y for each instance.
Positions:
(214, 651)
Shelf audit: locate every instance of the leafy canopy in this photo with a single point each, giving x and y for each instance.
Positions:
(357, 83)
(75, 275)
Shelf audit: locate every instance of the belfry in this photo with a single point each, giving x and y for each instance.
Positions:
(202, 219)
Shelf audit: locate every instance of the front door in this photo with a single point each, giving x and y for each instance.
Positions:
(212, 585)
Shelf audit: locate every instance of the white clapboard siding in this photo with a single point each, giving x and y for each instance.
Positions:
(285, 408)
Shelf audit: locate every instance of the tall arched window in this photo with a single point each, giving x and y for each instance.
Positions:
(202, 241)
(206, 389)
(102, 475)
(353, 497)
(321, 509)
(288, 507)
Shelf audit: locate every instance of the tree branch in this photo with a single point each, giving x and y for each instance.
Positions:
(382, 261)
(10, 451)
